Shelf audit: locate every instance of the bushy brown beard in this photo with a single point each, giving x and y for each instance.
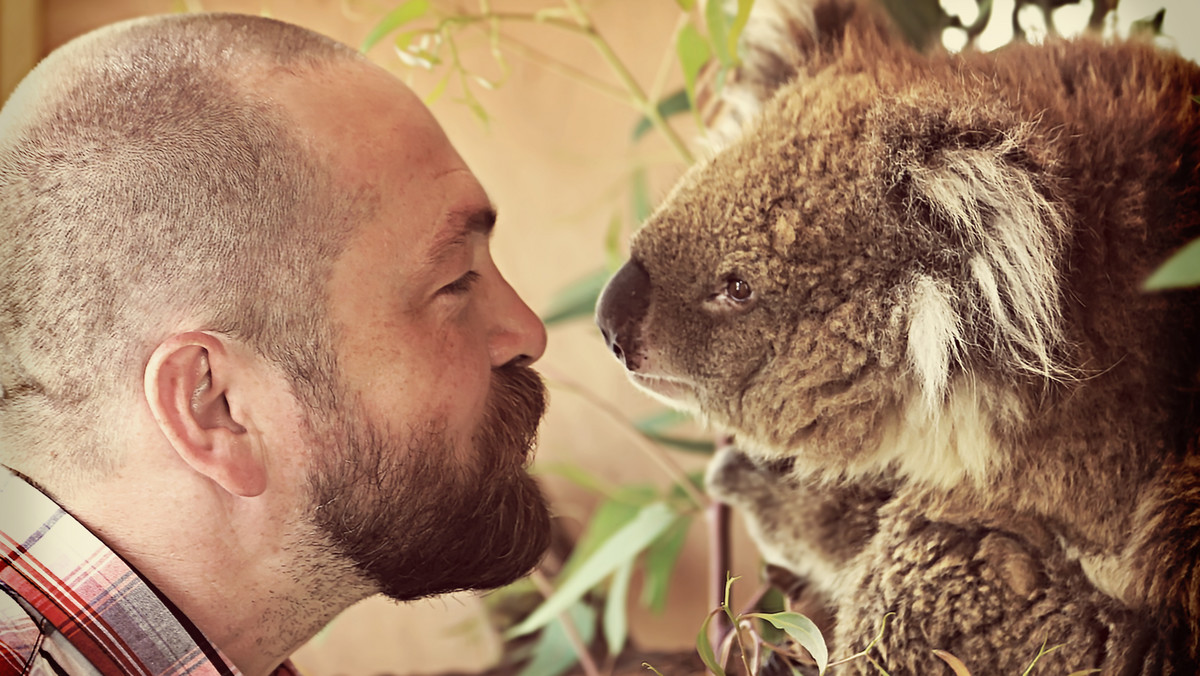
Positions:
(418, 517)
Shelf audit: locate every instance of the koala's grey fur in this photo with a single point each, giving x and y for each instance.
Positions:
(910, 286)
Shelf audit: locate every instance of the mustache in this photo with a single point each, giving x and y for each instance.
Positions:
(515, 407)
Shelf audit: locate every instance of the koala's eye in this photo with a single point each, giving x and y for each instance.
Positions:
(738, 289)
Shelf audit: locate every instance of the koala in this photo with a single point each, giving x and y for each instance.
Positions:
(910, 287)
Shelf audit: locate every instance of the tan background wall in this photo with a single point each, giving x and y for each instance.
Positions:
(555, 158)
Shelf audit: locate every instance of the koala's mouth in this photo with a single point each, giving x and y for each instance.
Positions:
(672, 390)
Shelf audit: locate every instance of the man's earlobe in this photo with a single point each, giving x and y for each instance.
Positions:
(188, 382)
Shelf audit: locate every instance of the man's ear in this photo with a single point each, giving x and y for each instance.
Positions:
(188, 381)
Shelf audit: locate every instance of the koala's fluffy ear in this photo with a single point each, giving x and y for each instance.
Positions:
(783, 40)
(982, 209)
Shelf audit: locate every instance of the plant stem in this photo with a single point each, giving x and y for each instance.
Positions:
(717, 516)
(572, 632)
(564, 69)
(659, 456)
(636, 96)
(642, 102)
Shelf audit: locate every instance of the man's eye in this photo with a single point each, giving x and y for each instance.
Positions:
(462, 284)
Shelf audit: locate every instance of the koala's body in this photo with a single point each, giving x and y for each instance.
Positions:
(913, 282)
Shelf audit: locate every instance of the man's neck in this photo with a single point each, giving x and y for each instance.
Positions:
(249, 573)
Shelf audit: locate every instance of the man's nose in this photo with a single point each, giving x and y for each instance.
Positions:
(520, 336)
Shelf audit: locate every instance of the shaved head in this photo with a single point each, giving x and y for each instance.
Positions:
(148, 180)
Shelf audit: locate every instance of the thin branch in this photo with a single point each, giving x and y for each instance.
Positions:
(668, 59)
(645, 105)
(565, 69)
(585, 657)
(656, 454)
(717, 516)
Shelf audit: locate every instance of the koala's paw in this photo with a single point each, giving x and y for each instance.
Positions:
(807, 527)
(989, 599)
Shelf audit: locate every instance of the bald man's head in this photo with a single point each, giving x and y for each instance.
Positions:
(147, 178)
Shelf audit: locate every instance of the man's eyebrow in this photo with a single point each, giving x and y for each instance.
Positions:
(462, 223)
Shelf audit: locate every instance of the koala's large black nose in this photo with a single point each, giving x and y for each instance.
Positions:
(620, 312)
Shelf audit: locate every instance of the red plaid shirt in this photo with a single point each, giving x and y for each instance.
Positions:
(70, 605)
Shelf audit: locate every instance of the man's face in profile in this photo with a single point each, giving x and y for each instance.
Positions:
(417, 462)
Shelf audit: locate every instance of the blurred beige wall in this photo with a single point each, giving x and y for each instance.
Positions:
(556, 158)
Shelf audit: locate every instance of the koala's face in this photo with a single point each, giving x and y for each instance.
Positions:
(758, 293)
(868, 239)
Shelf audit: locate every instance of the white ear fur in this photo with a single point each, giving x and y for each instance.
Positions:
(1014, 234)
(934, 337)
(773, 51)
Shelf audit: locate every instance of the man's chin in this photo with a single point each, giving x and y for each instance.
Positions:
(497, 544)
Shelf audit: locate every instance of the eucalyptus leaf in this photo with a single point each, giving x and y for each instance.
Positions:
(402, 14)
(693, 52)
(438, 90)
(663, 420)
(616, 615)
(686, 5)
(719, 22)
(673, 104)
(577, 299)
(803, 631)
(705, 648)
(737, 26)
(1181, 270)
(695, 446)
(622, 546)
(609, 517)
(554, 653)
(612, 243)
(661, 557)
(640, 196)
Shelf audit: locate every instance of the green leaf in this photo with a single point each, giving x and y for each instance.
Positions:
(672, 105)
(622, 546)
(640, 196)
(693, 51)
(686, 445)
(653, 427)
(1196, 99)
(402, 14)
(616, 617)
(438, 90)
(686, 5)
(737, 26)
(612, 244)
(719, 22)
(660, 561)
(608, 518)
(577, 299)
(1181, 270)
(704, 647)
(803, 631)
(663, 420)
(554, 653)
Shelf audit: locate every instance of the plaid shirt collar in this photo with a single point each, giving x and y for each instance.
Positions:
(69, 604)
